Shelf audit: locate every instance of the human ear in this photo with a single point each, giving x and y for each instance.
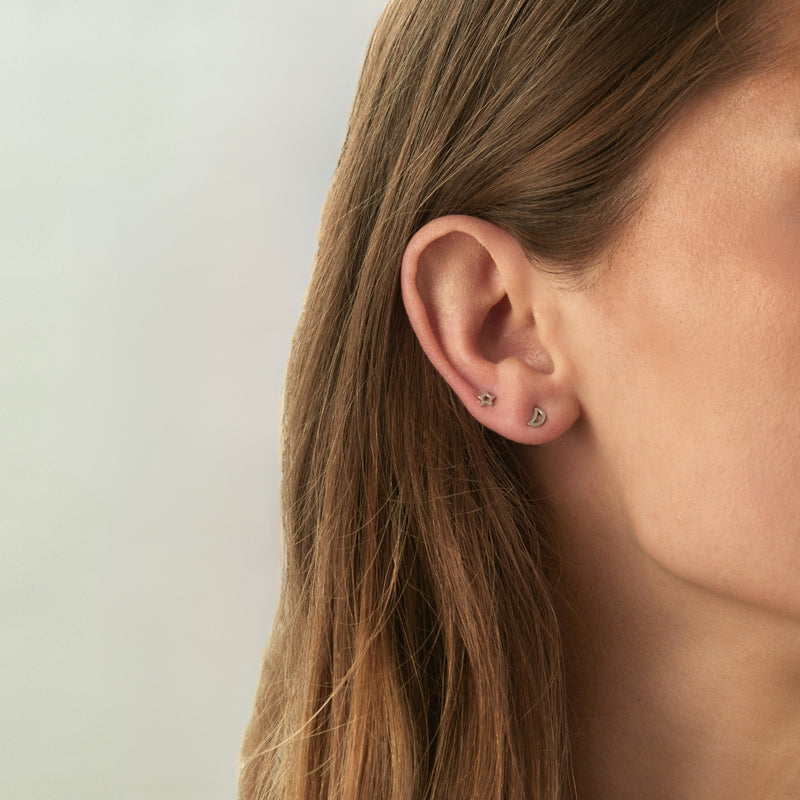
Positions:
(476, 302)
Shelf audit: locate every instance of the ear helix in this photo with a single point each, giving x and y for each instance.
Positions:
(539, 416)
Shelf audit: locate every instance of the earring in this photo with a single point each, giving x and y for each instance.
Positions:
(487, 399)
(539, 418)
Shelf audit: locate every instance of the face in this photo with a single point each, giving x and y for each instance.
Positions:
(688, 348)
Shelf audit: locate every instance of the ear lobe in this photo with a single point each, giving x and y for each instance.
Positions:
(469, 292)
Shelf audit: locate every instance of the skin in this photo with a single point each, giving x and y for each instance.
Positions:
(671, 454)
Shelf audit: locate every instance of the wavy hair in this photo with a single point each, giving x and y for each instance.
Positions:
(416, 651)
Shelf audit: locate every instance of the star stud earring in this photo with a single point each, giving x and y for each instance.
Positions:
(487, 399)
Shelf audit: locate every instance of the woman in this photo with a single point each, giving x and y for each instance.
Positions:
(542, 432)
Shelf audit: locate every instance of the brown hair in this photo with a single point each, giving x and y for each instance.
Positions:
(416, 651)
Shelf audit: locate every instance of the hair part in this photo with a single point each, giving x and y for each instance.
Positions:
(416, 650)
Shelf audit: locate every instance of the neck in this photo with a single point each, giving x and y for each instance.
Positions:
(676, 701)
(675, 692)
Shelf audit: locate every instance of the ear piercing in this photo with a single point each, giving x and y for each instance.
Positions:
(539, 418)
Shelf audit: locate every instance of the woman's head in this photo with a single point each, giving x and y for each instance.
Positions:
(417, 651)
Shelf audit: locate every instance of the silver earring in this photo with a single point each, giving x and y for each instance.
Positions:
(487, 399)
(539, 418)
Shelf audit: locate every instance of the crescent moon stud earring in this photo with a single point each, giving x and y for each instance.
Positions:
(539, 418)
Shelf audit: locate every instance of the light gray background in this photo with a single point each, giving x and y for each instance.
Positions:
(162, 168)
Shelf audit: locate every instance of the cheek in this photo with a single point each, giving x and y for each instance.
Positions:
(700, 429)
(691, 358)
